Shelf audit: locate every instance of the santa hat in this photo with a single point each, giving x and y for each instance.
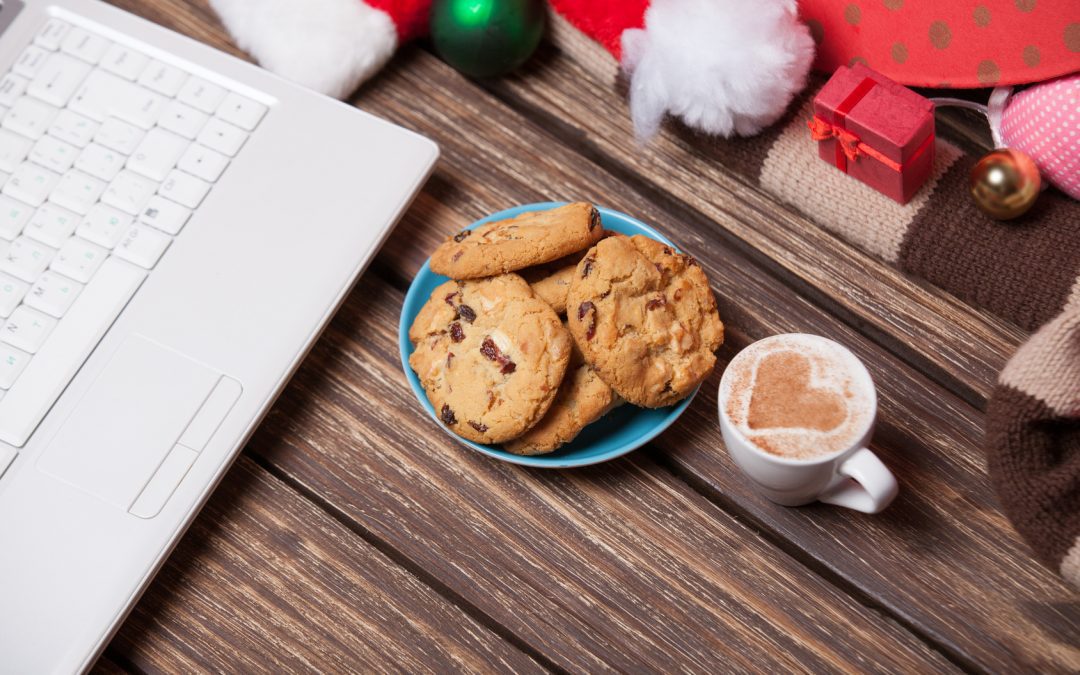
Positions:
(724, 66)
(953, 43)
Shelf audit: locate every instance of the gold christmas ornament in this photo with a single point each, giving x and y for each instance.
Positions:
(1005, 183)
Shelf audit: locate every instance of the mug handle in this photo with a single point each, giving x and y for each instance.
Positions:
(870, 488)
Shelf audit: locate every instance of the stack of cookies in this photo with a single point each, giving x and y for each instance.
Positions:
(500, 365)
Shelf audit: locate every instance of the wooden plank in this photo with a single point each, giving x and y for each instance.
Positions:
(570, 91)
(264, 581)
(929, 435)
(618, 566)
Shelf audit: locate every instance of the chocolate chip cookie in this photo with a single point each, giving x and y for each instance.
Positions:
(645, 318)
(583, 398)
(508, 245)
(490, 355)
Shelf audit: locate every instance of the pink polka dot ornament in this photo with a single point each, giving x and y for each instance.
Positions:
(1044, 122)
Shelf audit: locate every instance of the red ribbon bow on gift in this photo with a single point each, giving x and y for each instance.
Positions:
(821, 130)
(848, 142)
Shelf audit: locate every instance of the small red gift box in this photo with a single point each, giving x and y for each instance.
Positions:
(875, 130)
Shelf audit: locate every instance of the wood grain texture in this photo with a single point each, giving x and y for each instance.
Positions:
(647, 562)
(929, 434)
(264, 581)
(618, 566)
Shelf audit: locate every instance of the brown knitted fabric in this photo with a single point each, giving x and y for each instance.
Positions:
(1026, 271)
(1033, 442)
(1022, 270)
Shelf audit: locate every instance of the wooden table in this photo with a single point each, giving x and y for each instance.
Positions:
(352, 534)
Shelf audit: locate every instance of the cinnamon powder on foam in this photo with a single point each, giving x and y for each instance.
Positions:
(806, 426)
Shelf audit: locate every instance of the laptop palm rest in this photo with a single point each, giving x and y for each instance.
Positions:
(146, 398)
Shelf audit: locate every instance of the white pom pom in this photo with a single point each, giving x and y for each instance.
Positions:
(723, 66)
(330, 46)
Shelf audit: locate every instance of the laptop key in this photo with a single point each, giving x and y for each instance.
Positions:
(13, 216)
(75, 336)
(184, 189)
(119, 136)
(143, 246)
(31, 184)
(223, 137)
(201, 95)
(26, 259)
(104, 94)
(163, 78)
(12, 363)
(13, 150)
(11, 88)
(11, 294)
(167, 216)
(73, 128)
(26, 329)
(53, 294)
(30, 117)
(78, 259)
(31, 61)
(54, 154)
(241, 111)
(58, 79)
(84, 45)
(104, 225)
(182, 119)
(129, 192)
(77, 191)
(100, 162)
(124, 61)
(157, 154)
(203, 163)
(52, 34)
(52, 225)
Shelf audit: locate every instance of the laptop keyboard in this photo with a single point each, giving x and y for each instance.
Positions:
(105, 152)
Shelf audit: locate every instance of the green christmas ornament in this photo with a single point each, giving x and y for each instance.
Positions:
(485, 38)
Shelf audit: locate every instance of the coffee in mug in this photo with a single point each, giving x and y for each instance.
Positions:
(799, 396)
(797, 412)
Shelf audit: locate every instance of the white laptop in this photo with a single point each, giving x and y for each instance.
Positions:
(176, 227)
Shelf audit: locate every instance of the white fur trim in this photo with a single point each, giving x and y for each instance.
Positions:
(723, 66)
(330, 46)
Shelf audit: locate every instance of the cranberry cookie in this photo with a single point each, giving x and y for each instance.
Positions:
(645, 318)
(552, 288)
(529, 239)
(490, 355)
(583, 398)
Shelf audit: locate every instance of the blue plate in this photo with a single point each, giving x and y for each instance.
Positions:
(624, 429)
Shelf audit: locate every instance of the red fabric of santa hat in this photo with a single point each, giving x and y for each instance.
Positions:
(958, 43)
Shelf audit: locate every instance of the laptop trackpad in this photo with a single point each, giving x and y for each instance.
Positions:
(129, 420)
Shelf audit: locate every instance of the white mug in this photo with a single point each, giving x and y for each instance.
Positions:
(851, 476)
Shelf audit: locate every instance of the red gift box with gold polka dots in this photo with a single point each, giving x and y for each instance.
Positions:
(875, 130)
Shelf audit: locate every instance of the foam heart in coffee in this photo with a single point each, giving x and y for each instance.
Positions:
(798, 396)
(782, 397)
